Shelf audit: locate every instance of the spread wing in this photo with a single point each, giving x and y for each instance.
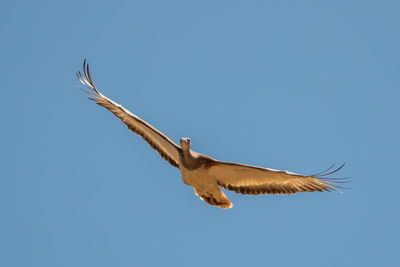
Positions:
(256, 180)
(156, 139)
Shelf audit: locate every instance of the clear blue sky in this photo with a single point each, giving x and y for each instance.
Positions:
(292, 85)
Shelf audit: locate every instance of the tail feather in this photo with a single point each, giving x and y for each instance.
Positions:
(215, 198)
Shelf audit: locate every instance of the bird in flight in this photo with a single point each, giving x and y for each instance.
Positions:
(206, 175)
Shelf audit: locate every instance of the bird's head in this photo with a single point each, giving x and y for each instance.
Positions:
(185, 143)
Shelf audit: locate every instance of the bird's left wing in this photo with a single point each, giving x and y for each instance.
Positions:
(254, 180)
(156, 139)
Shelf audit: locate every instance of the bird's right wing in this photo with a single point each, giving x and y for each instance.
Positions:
(156, 139)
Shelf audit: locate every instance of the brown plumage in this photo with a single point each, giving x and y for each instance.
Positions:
(206, 174)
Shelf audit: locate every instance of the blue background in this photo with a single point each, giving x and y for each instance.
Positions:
(292, 85)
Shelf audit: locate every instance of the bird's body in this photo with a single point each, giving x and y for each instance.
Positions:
(195, 172)
(206, 175)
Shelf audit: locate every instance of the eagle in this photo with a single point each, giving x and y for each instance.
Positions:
(205, 174)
